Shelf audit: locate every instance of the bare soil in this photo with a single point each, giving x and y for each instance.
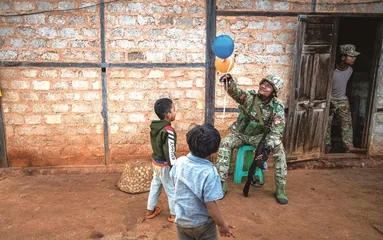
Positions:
(323, 204)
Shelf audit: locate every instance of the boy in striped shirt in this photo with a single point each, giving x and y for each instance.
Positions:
(163, 140)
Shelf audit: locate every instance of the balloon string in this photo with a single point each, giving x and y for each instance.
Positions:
(227, 86)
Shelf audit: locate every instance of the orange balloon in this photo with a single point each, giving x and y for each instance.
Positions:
(224, 65)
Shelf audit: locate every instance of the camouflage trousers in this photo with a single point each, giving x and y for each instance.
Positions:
(236, 140)
(343, 114)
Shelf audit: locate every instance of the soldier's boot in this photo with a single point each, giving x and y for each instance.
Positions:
(224, 188)
(280, 194)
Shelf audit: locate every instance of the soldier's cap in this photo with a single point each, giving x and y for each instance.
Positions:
(349, 50)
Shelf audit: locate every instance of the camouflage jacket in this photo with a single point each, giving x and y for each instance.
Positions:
(245, 99)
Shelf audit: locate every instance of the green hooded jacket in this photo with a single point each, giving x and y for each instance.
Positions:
(163, 139)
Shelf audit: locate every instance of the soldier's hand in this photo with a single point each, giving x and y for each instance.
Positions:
(266, 152)
(226, 78)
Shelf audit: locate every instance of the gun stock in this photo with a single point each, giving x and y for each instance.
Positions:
(253, 166)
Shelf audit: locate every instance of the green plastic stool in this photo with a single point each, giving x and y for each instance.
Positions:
(244, 159)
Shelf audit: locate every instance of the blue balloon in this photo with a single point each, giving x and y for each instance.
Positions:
(223, 46)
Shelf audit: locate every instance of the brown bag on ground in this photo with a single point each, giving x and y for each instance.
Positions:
(136, 177)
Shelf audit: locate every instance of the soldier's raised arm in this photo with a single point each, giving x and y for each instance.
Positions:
(239, 95)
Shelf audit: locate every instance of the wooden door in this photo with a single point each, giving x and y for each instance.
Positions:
(377, 74)
(315, 50)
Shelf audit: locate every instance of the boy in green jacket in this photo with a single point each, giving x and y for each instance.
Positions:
(163, 141)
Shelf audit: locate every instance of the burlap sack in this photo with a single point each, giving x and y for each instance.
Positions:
(136, 177)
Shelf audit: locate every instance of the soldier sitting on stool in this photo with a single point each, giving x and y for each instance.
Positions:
(256, 109)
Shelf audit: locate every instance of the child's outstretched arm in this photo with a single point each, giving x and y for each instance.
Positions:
(223, 226)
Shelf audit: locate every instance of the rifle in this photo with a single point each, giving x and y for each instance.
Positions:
(257, 163)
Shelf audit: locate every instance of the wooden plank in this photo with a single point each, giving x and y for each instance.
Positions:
(311, 85)
(318, 34)
(293, 14)
(3, 147)
(312, 49)
(100, 65)
(377, 73)
(104, 112)
(211, 19)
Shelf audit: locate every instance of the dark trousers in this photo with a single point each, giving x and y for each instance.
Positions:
(205, 232)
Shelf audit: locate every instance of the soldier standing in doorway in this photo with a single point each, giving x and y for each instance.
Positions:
(339, 104)
(256, 109)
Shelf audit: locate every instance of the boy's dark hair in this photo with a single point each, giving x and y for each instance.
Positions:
(203, 140)
(162, 107)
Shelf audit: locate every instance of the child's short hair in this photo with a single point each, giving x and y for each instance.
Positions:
(203, 140)
(162, 107)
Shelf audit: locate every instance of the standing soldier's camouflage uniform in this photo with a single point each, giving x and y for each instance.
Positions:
(248, 130)
(339, 105)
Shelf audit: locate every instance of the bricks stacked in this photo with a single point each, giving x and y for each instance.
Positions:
(131, 94)
(156, 31)
(69, 36)
(52, 116)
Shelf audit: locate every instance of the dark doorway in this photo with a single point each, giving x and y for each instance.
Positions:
(360, 32)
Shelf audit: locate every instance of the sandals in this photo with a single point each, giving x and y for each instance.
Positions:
(171, 219)
(157, 210)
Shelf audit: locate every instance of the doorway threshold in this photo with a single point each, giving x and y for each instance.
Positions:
(338, 161)
(334, 156)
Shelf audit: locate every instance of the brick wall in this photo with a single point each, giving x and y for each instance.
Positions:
(71, 36)
(265, 45)
(132, 93)
(265, 5)
(53, 115)
(352, 6)
(156, 31)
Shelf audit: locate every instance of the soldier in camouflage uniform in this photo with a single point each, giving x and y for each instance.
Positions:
(339, 105)
(249, 128)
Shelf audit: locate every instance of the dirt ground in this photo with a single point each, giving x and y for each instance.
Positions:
(323, 204)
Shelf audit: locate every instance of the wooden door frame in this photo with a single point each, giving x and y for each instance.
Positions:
(377, 72)
(373, 88)
(376, 69)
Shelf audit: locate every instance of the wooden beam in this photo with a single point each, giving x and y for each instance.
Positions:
(104, 88)
(211, 19)
(293, 14)
(314, 6)
(100, 65)
(3, 149)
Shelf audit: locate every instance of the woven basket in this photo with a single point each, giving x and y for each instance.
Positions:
(136, 177)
